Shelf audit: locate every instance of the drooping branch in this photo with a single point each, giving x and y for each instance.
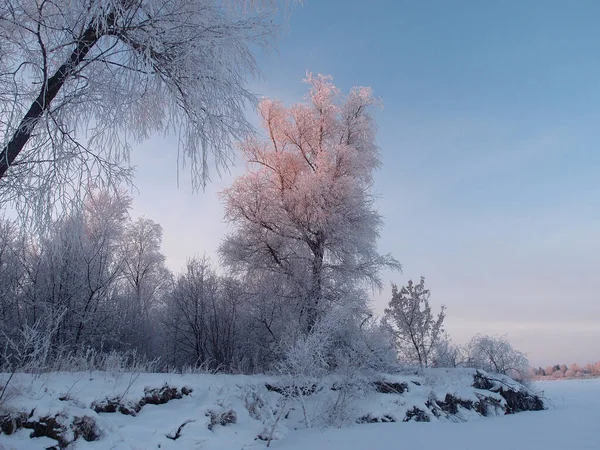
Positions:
(50, 89)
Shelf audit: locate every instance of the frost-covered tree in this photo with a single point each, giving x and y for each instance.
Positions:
(304, 211)
(13, 274)
(145, 281)
(81, 81)
(496, 354)
(67, 275)
(94, 276)
(445, 354)
(201, 318)
(78, 268)
(416, 330)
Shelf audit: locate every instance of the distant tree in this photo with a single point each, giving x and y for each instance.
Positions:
(94, 278)
(591, 368)
(72, 272)
(201, 317)
(12, 272)
(446, 354)
(145, 279)
(574, 370)
(189, 306)
(496, 354)
(80, 81)
(416, 330)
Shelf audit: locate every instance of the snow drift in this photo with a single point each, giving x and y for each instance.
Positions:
(121, 410)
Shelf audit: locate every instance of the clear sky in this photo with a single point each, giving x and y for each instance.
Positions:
(490, 143)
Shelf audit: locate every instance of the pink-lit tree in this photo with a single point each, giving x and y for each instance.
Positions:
(304, 210)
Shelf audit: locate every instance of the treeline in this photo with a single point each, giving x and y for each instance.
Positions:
(559, 371)
(297, 270)
(299, 263)
(96, 280)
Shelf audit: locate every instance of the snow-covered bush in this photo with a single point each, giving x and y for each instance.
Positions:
(29, 349)
(445, 354)
(495, 354)
(416, 330)
(343, 338)
(347, 351)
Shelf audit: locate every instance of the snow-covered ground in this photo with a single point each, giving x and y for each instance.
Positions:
(571, 422)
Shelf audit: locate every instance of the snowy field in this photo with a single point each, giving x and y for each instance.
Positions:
(571, 422)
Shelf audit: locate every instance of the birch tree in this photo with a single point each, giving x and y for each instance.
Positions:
(81, 81)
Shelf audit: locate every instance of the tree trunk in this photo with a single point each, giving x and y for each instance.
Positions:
(49, 90)
(316, 294)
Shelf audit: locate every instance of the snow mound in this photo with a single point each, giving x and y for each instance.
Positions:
(130, 411)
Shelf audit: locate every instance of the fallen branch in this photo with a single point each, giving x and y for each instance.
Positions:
(177, 434)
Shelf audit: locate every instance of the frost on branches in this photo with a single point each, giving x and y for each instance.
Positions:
(417, 331)
(80, 81)
(304, 215)
(495, 354)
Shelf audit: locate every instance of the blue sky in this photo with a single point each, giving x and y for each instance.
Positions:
(489, 137)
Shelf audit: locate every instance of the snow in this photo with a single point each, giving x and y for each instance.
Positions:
(148, 429)
(571, 422)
